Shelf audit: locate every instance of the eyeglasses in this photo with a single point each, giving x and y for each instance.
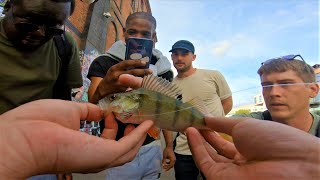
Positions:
(287, 57)
(30, 27)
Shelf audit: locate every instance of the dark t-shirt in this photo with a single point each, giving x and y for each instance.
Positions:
(100, 67)
(31, 76)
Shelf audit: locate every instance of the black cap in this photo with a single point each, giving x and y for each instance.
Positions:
(183, 44)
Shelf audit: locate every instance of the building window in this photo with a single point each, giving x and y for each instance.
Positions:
(133, 5)
(260, 99)
(142, 5)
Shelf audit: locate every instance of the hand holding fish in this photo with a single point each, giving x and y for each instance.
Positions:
(261, 150)
(111, 84)
(157, 100)
(43, 137)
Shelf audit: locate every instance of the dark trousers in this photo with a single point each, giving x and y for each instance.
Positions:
(185, 168)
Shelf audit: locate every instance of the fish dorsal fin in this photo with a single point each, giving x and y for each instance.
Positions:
(198, 104)
(162, 86)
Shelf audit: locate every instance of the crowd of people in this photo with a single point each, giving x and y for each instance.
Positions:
(39, 125)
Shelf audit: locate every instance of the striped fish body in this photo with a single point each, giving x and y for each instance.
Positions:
(157, 100)
(167, 112)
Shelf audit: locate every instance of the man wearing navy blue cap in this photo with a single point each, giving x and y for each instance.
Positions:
(183, 44)
(210, 86)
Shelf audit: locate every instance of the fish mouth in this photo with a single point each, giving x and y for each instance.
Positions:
(123, 116)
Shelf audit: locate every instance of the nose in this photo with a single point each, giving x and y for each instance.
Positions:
(40, 32)
(275, 90)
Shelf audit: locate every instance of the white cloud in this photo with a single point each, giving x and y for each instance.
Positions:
(236, 36)
(221, 48)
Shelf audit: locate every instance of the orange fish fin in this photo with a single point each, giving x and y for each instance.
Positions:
(198, 104)
(226, 137)
(162, 86)
(154, 132)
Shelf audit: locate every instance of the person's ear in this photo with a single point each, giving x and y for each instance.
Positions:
(194, 57)
(154, 37)
(314, 90)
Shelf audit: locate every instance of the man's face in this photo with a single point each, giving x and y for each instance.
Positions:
(139, 28)
(35, 22)
(182, 60)
(287, 101)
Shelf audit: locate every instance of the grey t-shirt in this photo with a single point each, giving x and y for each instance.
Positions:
(313, 130)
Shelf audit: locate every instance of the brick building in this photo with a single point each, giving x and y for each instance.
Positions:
(96, 26)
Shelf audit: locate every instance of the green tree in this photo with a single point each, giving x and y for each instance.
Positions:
(242, 111)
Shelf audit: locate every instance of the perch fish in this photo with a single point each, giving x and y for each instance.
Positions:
(157, 100)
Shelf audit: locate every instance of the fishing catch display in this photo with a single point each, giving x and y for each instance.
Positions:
(157, 100)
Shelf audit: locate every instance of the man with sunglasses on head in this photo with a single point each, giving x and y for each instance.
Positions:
(288, 83)
(29, 60)
(261, 149)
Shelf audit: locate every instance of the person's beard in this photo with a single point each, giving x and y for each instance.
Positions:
(183, 69)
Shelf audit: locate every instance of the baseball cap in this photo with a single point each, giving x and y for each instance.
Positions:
(183, 44)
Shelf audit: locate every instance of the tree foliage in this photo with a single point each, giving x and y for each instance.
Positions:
(317, 112)
(242, 111)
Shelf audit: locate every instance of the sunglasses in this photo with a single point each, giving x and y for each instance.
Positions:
(29, 27)
(287, 57)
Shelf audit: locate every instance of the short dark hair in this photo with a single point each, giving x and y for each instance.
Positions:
(143, 15)
(18, 2)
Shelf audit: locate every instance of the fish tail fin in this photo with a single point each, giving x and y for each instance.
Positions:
(154, 132)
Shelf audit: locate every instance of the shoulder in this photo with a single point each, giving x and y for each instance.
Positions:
(105, 60)
(209, 72)
(213, 75)
(70, 39)
(100, 66)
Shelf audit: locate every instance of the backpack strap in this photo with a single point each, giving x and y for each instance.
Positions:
(60, 89)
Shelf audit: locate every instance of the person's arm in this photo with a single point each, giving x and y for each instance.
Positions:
(168, 155)
(227, 105)
(93, 95)
(74, 77)
(103, 86)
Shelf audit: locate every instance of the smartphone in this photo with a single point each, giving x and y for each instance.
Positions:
(139, 48)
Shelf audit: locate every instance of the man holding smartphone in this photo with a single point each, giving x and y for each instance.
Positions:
(147, 164)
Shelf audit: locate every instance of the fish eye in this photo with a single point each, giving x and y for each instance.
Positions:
(112, 98)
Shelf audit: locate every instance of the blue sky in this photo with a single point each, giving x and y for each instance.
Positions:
(235, 36)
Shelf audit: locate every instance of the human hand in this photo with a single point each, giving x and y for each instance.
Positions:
(261, 150)
(110, 83)
(168, 159)
(43, 137)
